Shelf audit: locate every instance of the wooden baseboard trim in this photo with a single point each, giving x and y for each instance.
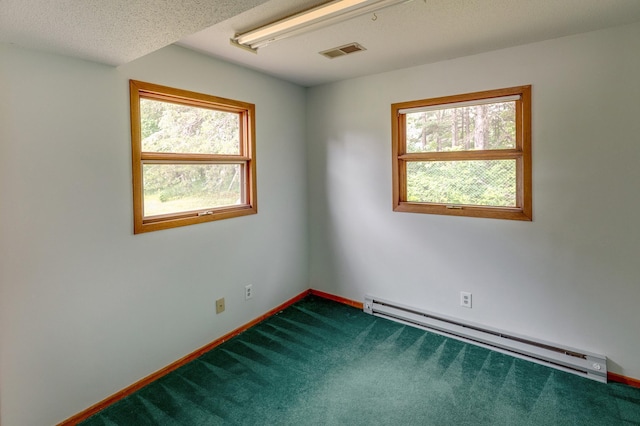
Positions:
(619, 378)
(612, 377)
(83, 415)
(338, 299)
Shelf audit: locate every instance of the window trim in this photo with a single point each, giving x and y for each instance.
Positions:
(521, 153)
(138, 90)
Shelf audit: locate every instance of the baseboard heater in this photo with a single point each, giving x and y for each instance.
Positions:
(582, 363)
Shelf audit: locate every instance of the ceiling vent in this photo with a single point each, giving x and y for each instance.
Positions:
(343, 50)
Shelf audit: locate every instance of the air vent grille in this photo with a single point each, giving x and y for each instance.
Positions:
(347, 49)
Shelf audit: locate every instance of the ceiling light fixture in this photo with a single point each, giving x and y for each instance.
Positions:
(309, 20)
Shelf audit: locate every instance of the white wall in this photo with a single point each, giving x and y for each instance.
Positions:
(86, 307)
(572, 275)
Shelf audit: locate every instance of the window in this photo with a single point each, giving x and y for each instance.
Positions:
(193, 157)
(464, 155)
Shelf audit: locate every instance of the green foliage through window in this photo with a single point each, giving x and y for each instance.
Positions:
(482, 183)
(173, 188)
(488, 126)
(174, 128)
(193, 157)
(169, 127)
(464, 155)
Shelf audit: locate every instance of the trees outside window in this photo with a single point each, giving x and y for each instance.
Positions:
(193, 157)
(464, 155)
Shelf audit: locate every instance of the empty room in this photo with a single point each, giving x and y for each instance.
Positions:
(319, 212)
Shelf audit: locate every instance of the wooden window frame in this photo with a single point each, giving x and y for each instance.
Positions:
(521, 153)
(141, 90)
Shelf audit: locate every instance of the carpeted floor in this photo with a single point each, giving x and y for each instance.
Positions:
(322, 363)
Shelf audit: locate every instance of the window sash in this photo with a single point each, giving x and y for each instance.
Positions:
(207, 119)
(191, 158)
(522, 154)
(461, 104)
(487, 183)
(245, 158)
(195, 198)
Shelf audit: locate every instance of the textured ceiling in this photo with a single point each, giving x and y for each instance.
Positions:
(109, 31)
(416, 32)
(412, 33)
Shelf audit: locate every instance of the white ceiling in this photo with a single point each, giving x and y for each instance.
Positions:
(417, 32)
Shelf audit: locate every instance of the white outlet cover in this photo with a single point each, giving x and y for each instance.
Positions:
(465, 299)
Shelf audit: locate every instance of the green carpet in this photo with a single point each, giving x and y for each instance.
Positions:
(322, 363)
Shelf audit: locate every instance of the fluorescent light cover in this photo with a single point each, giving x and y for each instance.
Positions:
(460, 104)
(309, 20)
(297, 20)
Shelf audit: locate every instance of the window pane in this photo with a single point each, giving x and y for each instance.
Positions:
(478, 182)
(489, 126)
(174, 188)
(168, 127)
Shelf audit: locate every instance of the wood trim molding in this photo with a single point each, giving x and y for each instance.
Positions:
(335, 298)
(612, 377)
(520, 155)
(85, 414)
(245, 158)
(619, 378)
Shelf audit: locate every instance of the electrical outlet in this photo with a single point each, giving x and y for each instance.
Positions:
(220, 305)
(248, 291)
(465, 299)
